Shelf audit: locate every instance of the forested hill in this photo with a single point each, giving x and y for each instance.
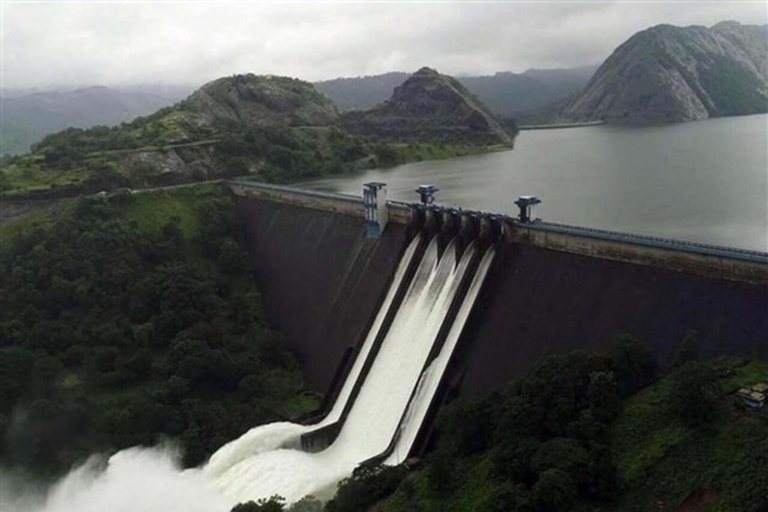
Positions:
(266, 127)
(429, 106)
(668, 73)
(128, 318)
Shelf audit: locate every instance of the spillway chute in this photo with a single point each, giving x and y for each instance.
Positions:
(391, 387)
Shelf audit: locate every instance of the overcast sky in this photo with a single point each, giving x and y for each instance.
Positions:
(73, 43)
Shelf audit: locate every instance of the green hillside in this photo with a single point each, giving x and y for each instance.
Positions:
(269, 128)
(129, 318)
(562, 438)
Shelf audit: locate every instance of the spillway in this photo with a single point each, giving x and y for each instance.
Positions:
(251, 467)
(260, 465)
(274, 435)
(430, 379)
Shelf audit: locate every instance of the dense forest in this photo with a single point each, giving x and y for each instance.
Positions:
(129, 318)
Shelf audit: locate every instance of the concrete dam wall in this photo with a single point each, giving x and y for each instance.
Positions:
(550, 289)
(322, 279)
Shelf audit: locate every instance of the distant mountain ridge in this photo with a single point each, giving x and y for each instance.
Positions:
(668, 74)
(29, 117)
(505, 93)
(429, 106)
(363, 92)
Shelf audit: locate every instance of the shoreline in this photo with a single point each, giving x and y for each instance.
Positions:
(558, 126)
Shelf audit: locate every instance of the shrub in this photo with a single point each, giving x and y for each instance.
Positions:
(694, 394)
(366, 486)
(554, 492)
(273, 504)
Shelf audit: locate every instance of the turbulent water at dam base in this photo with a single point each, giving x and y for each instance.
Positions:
(264, 462)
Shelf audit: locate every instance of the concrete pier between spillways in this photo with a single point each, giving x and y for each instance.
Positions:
(552, 287)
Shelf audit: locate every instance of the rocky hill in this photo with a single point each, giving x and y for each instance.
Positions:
(262, 101)
(429, 106)
(506, 94)
(668, 73)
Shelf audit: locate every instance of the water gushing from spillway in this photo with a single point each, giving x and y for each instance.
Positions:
(274, 435)
(430, 379)
(258, 464)
(375, 414)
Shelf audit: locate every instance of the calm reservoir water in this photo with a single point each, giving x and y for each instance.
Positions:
(705, 181)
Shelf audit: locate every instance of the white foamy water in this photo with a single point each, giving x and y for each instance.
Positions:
(258, 464)
(374, 417)
(430, 379)
(134, 480)
(270, 437)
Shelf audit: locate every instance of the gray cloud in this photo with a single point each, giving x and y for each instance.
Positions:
(73, 43)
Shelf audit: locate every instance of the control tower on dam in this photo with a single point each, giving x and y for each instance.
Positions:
(324, 262)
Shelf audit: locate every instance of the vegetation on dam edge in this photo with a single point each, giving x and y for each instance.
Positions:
(131, 318)
(588, 432)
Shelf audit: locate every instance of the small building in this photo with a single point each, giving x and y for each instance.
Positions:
(753, 397)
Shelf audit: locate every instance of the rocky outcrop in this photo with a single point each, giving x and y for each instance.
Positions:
(433, 107)
(259, 101)
(667, 74)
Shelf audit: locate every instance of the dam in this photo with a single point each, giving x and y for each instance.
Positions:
(395, 308)
(386, 385)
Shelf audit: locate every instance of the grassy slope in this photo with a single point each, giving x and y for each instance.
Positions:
(659, 458)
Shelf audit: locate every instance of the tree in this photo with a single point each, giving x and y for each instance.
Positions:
(506, 498)
(441, 473)
(366, 486)
(554, 492)
(633, 364)
(512, 461)
(602, 397)
(694, 394)
(273, 504)
(688, 350)
(4, 182)
(141, 174)
(562, 453)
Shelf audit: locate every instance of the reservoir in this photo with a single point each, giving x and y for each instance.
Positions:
(704, 181)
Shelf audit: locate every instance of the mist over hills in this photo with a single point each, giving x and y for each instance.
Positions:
(29, 116)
